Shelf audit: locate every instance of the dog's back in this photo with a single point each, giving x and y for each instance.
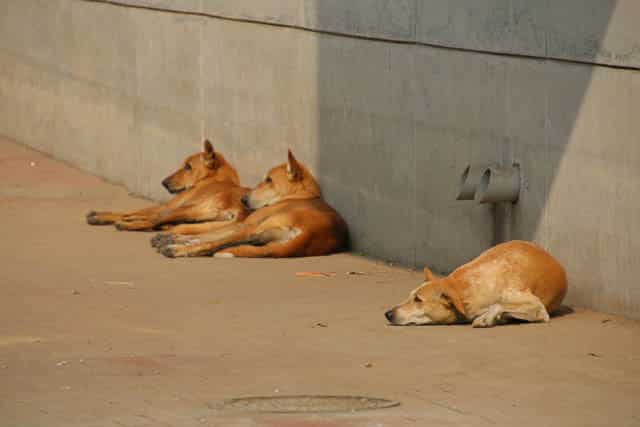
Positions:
(290, 198)
(515, 265)
(325, 229)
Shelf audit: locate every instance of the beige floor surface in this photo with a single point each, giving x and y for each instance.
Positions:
(97, 329)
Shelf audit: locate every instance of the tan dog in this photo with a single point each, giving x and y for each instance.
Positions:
(208, 196)
(513, 280)
(291, 219)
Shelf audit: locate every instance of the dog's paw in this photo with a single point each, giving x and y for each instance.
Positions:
(493, 316)
(488, 320)
(485, 320)
(167, 251)
(93, 219)
(543, 315)
(121, 226)
(482, 322)
(162, 239)
(171, 251)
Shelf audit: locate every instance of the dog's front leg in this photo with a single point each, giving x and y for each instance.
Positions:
(182, 246)
(513, 304)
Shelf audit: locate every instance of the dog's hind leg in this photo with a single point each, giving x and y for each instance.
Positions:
(157, 217)
(280, 243)
(103, 218)
(109, 218)
(206, 245)
(247, 251)
(199, 227)
(180, 233)
(195, 248)
(192, 247)
(142, 225)
(514, 304)
(143, 214)
(186, 213)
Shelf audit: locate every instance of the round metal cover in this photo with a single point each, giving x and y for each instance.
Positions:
(290, 404)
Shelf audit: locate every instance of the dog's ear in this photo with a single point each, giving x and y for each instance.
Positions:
(209, 155)
(294, 170)
(428, 275)
(453, 297)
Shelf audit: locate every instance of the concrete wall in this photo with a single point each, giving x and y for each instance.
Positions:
(386, 100)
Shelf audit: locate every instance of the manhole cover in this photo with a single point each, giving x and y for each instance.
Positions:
(308, 404)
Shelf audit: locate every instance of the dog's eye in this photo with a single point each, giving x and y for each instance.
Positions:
(416, 298)
(187, 167)
(268, 180)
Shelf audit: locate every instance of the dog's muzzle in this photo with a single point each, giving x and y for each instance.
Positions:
(245, 201)
(166, 183)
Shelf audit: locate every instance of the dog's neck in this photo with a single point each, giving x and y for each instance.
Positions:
(225, 172)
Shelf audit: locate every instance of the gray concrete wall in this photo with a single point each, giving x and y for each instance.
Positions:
(388, 127)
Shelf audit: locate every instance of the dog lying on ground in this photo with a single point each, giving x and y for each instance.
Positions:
(513, 280)
(290, 219)
(209, 196)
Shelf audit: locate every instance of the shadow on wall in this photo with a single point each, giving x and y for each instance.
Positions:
(398, 122)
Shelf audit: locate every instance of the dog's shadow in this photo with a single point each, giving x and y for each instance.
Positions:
(563, 310)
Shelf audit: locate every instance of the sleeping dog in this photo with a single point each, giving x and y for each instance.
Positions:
(513, 280)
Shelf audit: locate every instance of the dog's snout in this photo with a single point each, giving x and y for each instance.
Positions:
(245, 200)
(165, 183)
(389, 315)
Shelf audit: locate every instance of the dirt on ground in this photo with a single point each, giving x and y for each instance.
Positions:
(97, 329)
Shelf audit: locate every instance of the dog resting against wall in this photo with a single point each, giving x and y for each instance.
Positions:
(209, 196)
(290, 219)
(513, 280)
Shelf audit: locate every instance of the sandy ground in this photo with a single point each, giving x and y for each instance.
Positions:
(97, 329)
